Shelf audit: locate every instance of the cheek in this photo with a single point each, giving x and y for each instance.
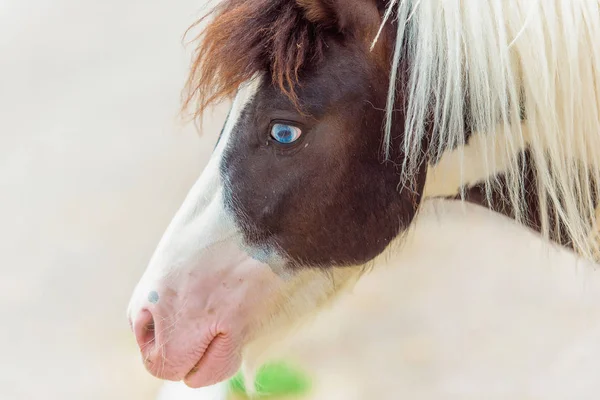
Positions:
(317, 207)
(266, 186)
(353, 220)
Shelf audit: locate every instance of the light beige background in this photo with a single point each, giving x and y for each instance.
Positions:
(93, 164)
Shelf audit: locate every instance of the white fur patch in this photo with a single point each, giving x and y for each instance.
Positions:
(200, 222)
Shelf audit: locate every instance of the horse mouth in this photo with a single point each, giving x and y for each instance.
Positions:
(220, 361)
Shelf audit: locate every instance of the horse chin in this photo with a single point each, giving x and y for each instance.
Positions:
(221, 360)
(305, 293)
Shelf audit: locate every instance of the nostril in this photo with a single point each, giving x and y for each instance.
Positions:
(144, 329)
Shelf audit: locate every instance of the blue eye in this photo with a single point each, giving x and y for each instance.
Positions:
(285, 134)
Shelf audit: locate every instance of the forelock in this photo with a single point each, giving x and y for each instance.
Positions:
(249, 37)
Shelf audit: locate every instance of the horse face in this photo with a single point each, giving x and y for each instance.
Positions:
(309, 188)
(295, 200)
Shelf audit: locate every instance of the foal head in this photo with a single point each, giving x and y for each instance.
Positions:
(297, 195)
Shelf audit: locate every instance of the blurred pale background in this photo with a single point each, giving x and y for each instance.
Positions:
(93, 164)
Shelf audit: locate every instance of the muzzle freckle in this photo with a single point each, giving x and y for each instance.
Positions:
(153, 297)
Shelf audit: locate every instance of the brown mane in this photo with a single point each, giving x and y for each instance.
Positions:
(246, 37)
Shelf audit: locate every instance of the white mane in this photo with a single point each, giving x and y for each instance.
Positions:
(539, 59)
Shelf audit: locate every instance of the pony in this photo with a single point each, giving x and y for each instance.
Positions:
(346, 116)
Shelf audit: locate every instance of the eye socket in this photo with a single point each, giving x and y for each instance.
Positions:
(285, 134)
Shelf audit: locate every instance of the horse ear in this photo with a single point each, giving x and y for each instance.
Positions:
(361, 16)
